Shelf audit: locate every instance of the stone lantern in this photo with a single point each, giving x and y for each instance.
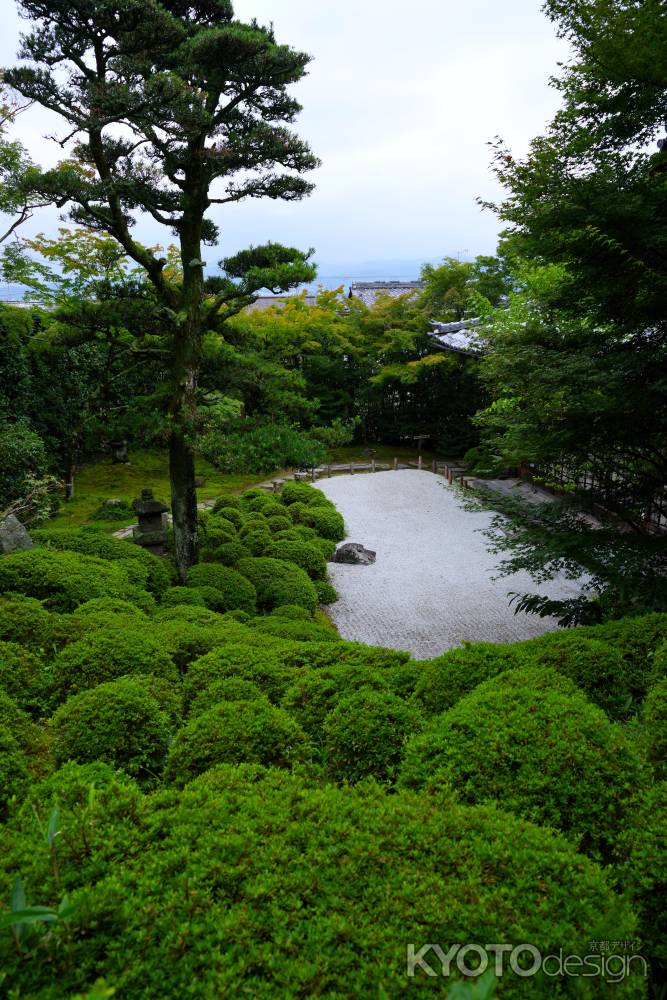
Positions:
(151, 531)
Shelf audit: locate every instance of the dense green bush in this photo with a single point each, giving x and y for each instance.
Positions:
(226, 503)
(365, 735)
(25, 620)
(22, 455)
(262, 665)
(230, 553)
(446, 679)
(326, 547)
(278, 582)
(655, 729)
(186, 641)
(14, 774)
(186, 613)
(118, 723)
(294, 612)
(315, 693)
(22, 677)
(258, 542)
(63, 580)
(259, 448)
(326, 521)
(646, 874)
(225, 689)
(595, 666)
(17, 721)
(298, 631)
(636, 639)
(155, 574)
(278, 522)
(305, 554)
(326, 592)
(107, 655)
(530, 740)
(182, 595)
(231, 514)
(295, 492)
(236, 732)
(300, 892)
(236, 591)
(112, 606)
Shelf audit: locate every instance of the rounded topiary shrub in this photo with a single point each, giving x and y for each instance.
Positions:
(118, 723)
(595, 666)
(64, 580)
(278, 522)
(297, 631)
(186, 613)
(100, 606)
(326, 592)
(22, 676)
(314, 892)
(252, 523)
(293, 612)
(261, 665)
(531, 741)
(279, 582)
(655, 729)
(14, 774)
(637, 640)
(295, 492)
(236, 732)
(236, 591)
(645, 877)
(226, 503)
(365, 735)
(326, 547)
(231, 514)
(446, 679)
(304, 554)
(326, 521)
(17, 721)
(182, 595)
(258, 542)
(230, 553)
(105, 656)
(315, 693)
(24, 620)
(152, 573)
(226, 689)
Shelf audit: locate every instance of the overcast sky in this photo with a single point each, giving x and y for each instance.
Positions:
(400, 103)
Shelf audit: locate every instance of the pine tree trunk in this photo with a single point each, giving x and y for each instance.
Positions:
(183, 501)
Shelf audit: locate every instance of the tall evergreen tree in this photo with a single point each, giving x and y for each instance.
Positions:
(174, 107)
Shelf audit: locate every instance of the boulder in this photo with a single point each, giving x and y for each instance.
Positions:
(355, 554)
(13, 536)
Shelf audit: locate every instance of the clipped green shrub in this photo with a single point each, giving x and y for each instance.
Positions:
(365, 735)
(14, 774)
(238, 616)
(22, 676)
(657, 665)
(326, 592)
(317, 656)
(105, 656)
(236, 732)
(295, 492)
(186, 613)
(326, 547)
(182, 595)
(655, 729)
(186, 641)
(278, 522)
(155, 573)
(226, 503)
(16, 720)
(646, 878)
(118, 723)
(326, 521)
(258, 542)
(111, 606)
(637, 640)
(315, 693)
(446, 679)
(294, 612)
(73, 788)
(216, 536)
(297, 512)
(279, 582)
(595, 666)
(304, 554)
(261, 665)
(301, 892)
(226, 689)
(230, 553)
(64, 580)
(236, 591)
(254, 522)
(24, 620)
(298, 631)
(168, 695)
(531, 741)
(231, 514)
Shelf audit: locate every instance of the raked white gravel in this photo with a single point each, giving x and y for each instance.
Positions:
(431, 587)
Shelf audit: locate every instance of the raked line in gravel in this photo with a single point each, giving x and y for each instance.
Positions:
(431, 587)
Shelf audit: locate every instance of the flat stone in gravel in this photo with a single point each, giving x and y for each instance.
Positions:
(431, 586)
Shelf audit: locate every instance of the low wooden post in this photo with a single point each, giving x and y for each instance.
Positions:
(419, 462)
(395, 464)
(313, 476)
(329, 471)
(434, 466)
(351, 468)
(372, 465)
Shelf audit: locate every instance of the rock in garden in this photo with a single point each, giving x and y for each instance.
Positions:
(354, 553)
(13, 536)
